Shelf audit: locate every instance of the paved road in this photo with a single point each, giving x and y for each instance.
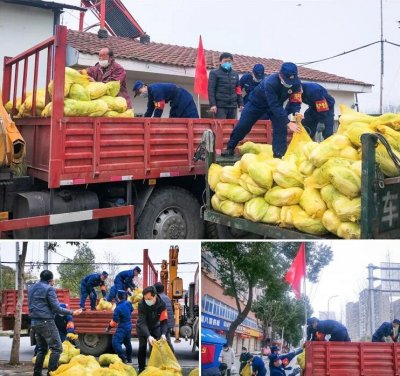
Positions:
(186, 358)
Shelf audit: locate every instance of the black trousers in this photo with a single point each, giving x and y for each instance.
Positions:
(47, 336)
(226, 113)
(156, 333)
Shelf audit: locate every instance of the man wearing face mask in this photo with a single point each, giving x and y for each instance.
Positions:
(107, 69)
(268, 97)
(159, 94)
(224, 92)
(227, 357)
(43, 306)
(243, 358)
(152, 322)
(249, 81)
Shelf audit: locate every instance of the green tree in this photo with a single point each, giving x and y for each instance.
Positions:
(73, 270)
(241, 267)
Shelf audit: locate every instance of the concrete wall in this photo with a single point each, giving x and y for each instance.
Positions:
(21, 27)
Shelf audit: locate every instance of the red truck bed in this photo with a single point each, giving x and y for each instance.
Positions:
(352, 359)
(97, 150)
(9, 299)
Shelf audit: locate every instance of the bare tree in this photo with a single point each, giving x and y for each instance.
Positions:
(111, 266)
(14, 357)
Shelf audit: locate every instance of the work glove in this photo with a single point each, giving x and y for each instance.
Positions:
(163, 337)
(72, 336)
(151, 340)
(77, 312)
(108, 329)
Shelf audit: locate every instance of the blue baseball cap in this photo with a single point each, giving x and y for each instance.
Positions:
(396, 321)
(311, 320)
(104, 273)
(258, 71)
(274, 348)
(137, 269)
(289, 73)
(138, 85)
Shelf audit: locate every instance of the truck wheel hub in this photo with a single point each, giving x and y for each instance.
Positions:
(91, 340)
(169, 224)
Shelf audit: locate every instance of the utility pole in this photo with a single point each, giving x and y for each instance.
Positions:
(46, 255)
(16, 264)
(371, 296)
(382, 63)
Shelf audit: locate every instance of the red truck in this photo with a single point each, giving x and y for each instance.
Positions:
(352, 359)
(90, 325)
(116, 174)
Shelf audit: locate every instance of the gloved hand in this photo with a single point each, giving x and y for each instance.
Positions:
(72, 336)
(108, 329)
(77, 312)
(151, 340)
(163, 337)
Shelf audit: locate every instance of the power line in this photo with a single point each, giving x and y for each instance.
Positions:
(96, 263)
(341, 54)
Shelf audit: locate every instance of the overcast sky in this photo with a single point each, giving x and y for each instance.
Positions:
(291, 30)
(347, 274)
(124, 251)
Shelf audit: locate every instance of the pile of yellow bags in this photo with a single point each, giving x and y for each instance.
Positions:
(82, 98)
(88, 366)
(162, 361)
(69, 352)
(314, 188)
(105, 306)
(136, 297)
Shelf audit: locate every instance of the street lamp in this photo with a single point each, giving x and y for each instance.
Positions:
(329, 299)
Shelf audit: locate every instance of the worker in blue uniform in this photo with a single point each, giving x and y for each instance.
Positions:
(321, 109)
(285, 358)
(123, 281)
(122, 319)
(87, 286)
(257, 365)
(268, 97)
(336, 330)
(249, 81)
(276, 369)
(387, 332)
(159, 94)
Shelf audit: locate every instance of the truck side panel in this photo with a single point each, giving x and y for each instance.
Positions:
(99, 150)
(352, 358)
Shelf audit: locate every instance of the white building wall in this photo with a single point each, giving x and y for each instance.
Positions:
(21, 27)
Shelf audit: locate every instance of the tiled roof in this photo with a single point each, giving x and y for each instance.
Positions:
(160, 53)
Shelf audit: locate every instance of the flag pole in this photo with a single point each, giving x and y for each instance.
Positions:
(305, 286)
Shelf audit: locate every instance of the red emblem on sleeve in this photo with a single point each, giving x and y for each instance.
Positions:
(322, 105)
(159, 105)
(295, 98)
(238, 90)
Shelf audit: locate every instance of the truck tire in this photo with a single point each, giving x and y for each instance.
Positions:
(171, 213)
(94, 344)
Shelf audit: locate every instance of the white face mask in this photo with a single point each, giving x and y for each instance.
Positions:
(287, 86)
(144, 95)
(104, 63)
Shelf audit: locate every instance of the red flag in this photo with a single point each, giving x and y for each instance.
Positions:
(200, 78)
(297, 271)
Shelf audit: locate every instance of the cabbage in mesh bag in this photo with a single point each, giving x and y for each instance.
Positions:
(80, 108)
(303, 222)
(278, 196)
(96, 89)
(79, 93)
(214, 175)
(233, 192)
(312, 202)
(261, 173)
(272, 215)
(117, 104)
(113, 88)
(286, 175)
(349, 230)
(255, 209)
(331, 221)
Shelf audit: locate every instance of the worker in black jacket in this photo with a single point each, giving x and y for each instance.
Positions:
(224, 91)
(152, 322)
(43, 306)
